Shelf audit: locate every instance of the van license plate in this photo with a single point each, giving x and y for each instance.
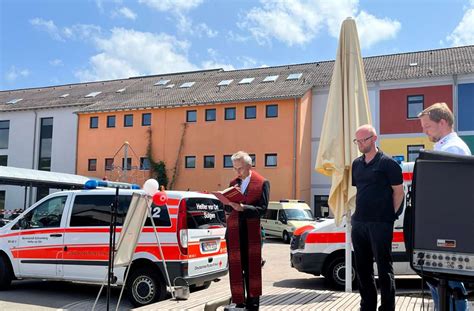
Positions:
(209, 246)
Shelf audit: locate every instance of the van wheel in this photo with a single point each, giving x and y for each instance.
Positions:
(286, 237)
(335, 274)
(6, 273)
(145, 286)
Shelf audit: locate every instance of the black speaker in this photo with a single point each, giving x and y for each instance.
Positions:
(440, 224)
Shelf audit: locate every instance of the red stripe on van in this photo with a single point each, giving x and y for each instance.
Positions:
(340, 237)
(407, 176)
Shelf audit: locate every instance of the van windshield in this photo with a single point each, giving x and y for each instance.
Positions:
(204, 213)
(299, 214)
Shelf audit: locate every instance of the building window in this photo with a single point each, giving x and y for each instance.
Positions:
(110, 121)
(252, 156)
(109, 164)
(146, 119)
(2, 200)
(145, 163)
(46, 142)
(415, 106)
(191, 116)
(270, 159)
(209, 161)
(229, 113)
(228, 161)
(129, 164)
(210, 114)
(4, 133)
(413, 151)
(271, 111)
(94, 122)
(128, 120)
(321, 206)
(92, 166)
(3, 160)
(189, 161)
(251, 112)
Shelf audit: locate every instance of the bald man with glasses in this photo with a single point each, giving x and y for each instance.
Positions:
(379, 182)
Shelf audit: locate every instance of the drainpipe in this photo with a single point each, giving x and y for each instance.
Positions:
(295, 146)
(455, 101)
(30, 198)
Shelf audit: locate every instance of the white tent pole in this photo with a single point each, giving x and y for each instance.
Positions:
(348, 253)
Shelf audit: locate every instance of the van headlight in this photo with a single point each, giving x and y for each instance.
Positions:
(303, 239)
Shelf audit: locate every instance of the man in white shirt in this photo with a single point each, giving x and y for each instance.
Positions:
(437, 123)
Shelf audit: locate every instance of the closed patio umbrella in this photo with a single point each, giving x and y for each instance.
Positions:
(347, 109)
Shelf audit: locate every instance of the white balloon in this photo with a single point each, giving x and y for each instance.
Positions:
(151, 186)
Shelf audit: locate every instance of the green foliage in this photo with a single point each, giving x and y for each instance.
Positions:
(157, 169)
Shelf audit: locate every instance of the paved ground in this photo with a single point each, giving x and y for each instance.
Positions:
(277, 274)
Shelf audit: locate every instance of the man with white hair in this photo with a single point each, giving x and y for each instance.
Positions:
(243, 233)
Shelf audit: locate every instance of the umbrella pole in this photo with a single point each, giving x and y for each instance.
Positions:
(348, 253)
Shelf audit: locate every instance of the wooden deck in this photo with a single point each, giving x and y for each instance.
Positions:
(280, 298)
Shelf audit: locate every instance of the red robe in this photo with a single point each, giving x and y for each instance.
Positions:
(253, 259)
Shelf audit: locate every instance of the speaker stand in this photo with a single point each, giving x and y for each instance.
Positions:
(443, 295)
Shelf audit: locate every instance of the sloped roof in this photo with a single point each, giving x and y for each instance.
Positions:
(142, 93)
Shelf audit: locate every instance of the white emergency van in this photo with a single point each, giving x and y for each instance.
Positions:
(65, 236)
(319, 249)
(285, 216)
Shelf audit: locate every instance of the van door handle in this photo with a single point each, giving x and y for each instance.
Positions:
(56, 235)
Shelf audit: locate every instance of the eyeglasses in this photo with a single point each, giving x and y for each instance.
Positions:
(361, 141)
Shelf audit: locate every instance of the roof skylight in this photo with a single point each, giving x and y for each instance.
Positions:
(270, 78)
(187, 84)
(14, 101)
(162, 82)
(120, 91)
(225, 82)
(294, 76)
(64, 95)
(93, 94)
(246, 80)
(169, 86)
(413, 64)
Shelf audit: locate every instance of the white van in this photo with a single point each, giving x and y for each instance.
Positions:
(282, 218)
(320, 249)
(65, 236)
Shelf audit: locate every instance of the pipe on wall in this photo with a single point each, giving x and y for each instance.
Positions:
(295, 146)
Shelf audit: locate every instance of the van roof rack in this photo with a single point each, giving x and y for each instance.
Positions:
(293, 201)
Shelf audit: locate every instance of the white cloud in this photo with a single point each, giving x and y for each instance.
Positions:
(120, 57)
(297, 22)
(56, 62)
(463, 34)
(13, 74)
(210, 64)
(47, 26)
(172, 5)
(77, 31)
(127, 13)
(247, 62)
(179, 10)
(372, 29)
(185, 25)
(215, 61)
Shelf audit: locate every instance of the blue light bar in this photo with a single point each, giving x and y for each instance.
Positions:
(93, 184)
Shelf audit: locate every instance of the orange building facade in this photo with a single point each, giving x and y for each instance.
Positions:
(279, 137)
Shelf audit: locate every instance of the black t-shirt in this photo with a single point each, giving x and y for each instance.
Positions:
(374, 181)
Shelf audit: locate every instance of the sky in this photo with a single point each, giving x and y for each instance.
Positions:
(54, 42)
